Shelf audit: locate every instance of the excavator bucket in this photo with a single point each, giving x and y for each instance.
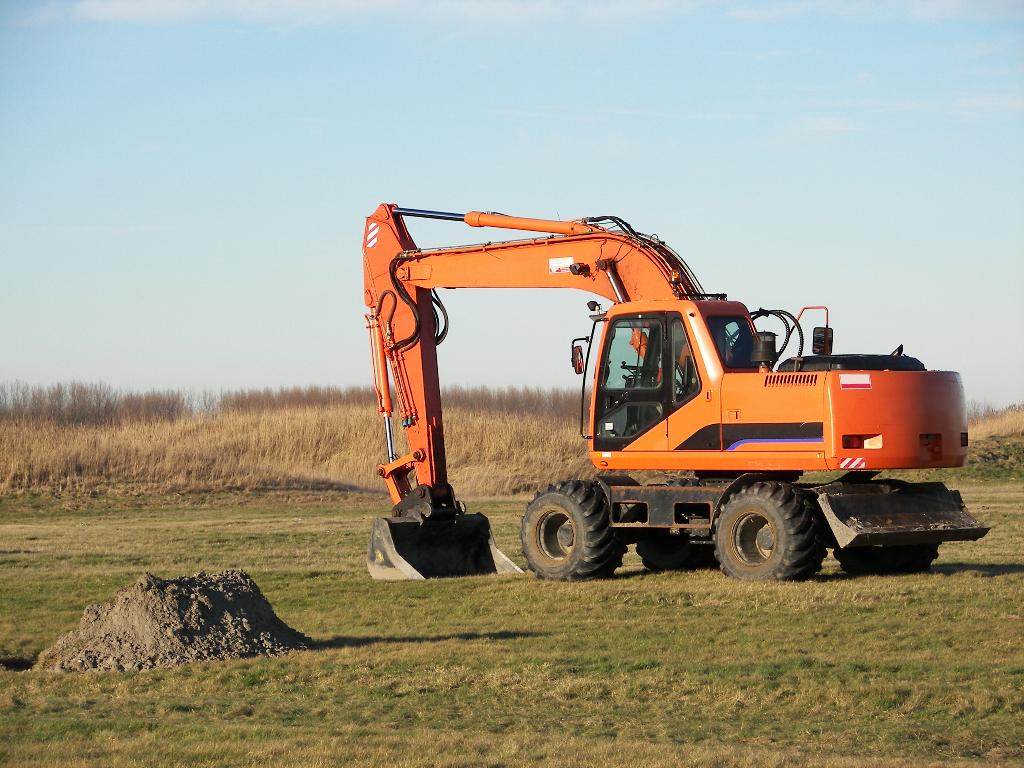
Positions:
(403, 549)
(890, 514)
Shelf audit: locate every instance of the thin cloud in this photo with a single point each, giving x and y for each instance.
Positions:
(774, 11)
(330, 11)
(953, 9)
(985, 48)
(924, 10)
(618, 11)
(988, 104)
(305, 11)
(767, 12)
(827, 125)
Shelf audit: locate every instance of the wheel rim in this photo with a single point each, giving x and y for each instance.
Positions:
(753, 538)
(556, 534)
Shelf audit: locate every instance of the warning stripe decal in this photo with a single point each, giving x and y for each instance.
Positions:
(371, 234)
(855, 381)
(852, 463)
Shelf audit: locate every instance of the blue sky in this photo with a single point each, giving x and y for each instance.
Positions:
(183, 184)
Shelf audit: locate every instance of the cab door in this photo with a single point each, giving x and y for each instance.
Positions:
(695, 420)
(633, 385)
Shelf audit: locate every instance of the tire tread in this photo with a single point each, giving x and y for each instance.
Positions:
(802, 525)
(603, 549)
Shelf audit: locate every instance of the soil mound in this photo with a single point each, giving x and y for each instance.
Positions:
(165, 622)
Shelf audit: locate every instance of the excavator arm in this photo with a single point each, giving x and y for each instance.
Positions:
(428, 532)
(603, 256)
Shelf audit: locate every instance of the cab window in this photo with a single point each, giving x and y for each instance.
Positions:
(632, 384)
(734, 340)
(685, 382)
(634, 355)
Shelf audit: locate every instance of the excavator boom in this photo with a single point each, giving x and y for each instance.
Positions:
(602, 256)
(400, 284)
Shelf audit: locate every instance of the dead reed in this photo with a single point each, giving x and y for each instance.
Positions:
(490, 452)
(89, 437)
(97, 403)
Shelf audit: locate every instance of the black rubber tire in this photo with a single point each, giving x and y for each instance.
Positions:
(769, 531)
(566, 533)
(619, 549)
(909, 558)
(663, 551)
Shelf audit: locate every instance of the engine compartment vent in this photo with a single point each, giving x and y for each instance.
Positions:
(791, 380)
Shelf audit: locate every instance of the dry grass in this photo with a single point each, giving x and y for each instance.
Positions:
(491, 453)
(96, 403)
(79, 402)
(75, 438)
(1009, 421)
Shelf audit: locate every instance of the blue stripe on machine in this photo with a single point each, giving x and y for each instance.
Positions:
(759, 440)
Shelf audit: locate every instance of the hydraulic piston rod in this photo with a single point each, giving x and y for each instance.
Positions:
(381, 383)
(501, 221)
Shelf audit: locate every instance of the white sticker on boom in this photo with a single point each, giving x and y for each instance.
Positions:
(560, 266)
(606, 455)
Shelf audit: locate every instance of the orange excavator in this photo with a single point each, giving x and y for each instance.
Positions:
(683, 382)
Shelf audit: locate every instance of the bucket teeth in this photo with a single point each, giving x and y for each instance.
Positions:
(403, 549)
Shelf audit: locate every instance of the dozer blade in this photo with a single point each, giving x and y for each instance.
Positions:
(459, 546)
(884, 514)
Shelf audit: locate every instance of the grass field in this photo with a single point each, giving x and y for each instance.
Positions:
(642, 669)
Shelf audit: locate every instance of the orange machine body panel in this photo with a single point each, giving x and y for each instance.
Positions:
(757, 421)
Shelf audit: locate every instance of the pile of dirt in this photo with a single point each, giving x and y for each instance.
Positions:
(166, 622)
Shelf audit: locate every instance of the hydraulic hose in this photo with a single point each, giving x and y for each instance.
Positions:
(403, 294)
(788, 321)
(671, 260)
(440, 333)
(799, 333)
(440, 313)
(380, 304)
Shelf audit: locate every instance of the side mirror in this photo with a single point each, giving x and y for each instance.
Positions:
(821, 341)
(577, 358)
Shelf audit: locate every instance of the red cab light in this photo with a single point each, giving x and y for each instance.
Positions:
(862, 442)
